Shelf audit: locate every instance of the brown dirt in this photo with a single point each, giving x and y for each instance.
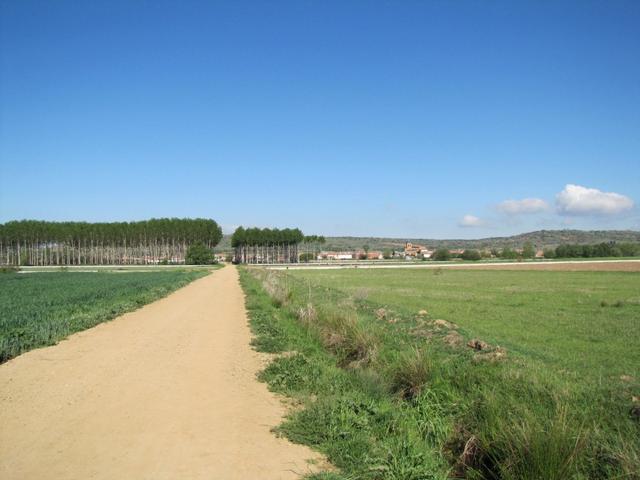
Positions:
(453, 339)
(165, 392)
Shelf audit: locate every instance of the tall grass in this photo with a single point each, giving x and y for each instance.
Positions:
(411, 373)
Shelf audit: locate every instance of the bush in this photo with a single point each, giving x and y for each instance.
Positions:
(629, 249)
(199, 254)
(306, 257)
(508, 253)
(589, 251)
(471, 254)
(603, 249)
(549, 253)
(442, 254)
(528, 251)
(24, 258)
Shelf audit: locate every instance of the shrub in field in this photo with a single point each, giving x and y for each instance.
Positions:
(471, 254)
(199, 254)
(549, 253)
(24, 258)
(528, 251)
(306, 257)
(508, 253)
(442, 254)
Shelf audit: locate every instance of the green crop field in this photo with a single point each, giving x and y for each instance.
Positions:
(390, 390)
(42, 308)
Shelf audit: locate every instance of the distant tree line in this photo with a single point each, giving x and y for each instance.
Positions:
(159, 240)
(528, 251)
(603, 249)
(271, 245)
(311, 245)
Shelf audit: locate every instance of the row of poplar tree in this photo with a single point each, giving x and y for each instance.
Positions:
(159, 240)
(272, 245)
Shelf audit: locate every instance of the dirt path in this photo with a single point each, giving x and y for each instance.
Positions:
(166, 392)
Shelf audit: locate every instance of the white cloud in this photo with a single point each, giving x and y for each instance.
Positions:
(578, 200)
(526, 205)
(471, 221)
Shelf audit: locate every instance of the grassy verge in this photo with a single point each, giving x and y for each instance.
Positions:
(397, 395)
(43, 308)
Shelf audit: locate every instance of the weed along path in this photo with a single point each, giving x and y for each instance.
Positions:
(165, 392)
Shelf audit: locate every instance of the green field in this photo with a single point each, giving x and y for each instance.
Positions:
(40, 309)
(557, 318)
(386, 394)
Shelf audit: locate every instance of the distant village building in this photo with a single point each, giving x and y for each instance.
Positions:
(354, 255)
(335, 256)
(412, 250)
(371, 255)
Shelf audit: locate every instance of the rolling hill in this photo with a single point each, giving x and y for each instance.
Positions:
(539, 238)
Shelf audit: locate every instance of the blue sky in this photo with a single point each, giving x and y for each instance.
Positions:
(403, 119)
